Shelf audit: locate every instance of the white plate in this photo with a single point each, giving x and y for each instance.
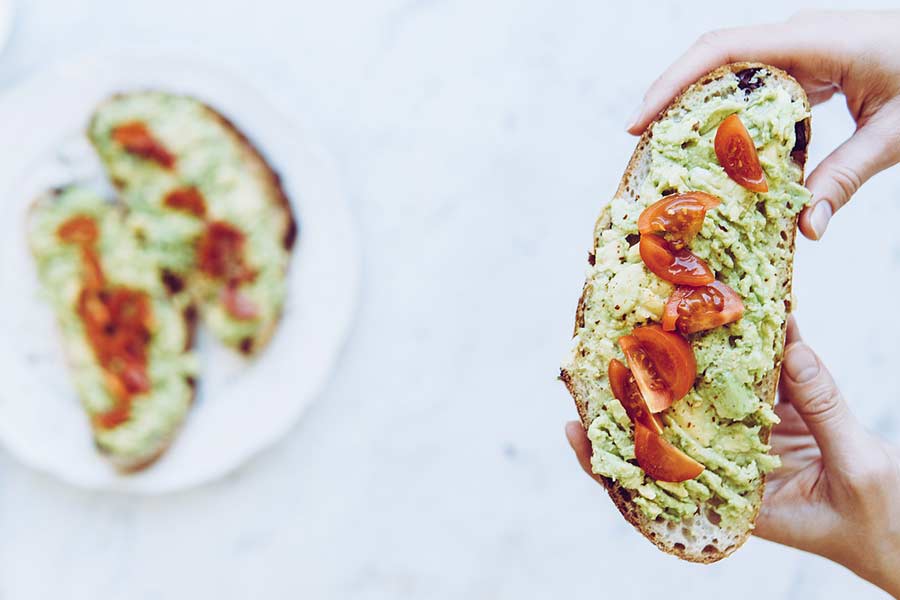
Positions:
(241, 407)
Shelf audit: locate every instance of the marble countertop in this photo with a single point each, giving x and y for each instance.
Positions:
(476, 142)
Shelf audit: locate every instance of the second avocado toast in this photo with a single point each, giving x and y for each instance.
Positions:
(203, 226)
(206, 204)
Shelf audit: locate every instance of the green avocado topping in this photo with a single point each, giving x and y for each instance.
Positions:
(719, 422)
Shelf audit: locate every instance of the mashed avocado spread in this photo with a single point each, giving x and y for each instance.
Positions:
(719, 422)
(156, 414)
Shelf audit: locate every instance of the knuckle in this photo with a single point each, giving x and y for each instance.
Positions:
(711, 39)
(848, 181)
(823, 402)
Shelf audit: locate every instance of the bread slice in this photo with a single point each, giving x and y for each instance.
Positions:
(151, 419)
(204, 155)
(749, 242)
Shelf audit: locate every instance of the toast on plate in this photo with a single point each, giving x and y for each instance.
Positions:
(127, 340)
(206, 204)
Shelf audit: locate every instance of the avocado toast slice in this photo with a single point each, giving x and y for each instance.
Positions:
(724, 421)
(128, 343)
(206, 204)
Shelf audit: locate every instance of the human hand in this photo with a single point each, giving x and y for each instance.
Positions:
(838, 490)
(855, 53)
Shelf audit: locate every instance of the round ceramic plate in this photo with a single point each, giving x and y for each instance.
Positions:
(242, 406)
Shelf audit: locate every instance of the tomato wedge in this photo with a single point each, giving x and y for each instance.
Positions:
(661, 460)
(693, 309)
(679, 266)
(136, 139)
(677, 217)
(80, 229)
(737, 155)
(186, 199)
(625, 390)
(662, 363)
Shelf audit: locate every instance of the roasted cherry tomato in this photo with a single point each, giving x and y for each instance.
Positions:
(737, 155)
(625, 390)
(80, 229)
(662, 363)
(186, 199)
(681, 267)
(136, 139)
(692, 309)
(238, 305)
(678, 217)
(220, 253)
(661, 460)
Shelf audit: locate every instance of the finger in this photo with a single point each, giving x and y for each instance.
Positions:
(580, 443)
(870, 150)
(784, 45)
(808, 386)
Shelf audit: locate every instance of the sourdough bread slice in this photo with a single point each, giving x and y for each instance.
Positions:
(241, 197)
(134, 438)
(725, 421)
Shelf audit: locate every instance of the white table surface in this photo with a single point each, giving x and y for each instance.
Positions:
(477, 141)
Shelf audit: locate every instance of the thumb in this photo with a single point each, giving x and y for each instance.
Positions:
(808, 386)
(870, 150)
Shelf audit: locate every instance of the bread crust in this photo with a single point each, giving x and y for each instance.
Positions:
(767, 388)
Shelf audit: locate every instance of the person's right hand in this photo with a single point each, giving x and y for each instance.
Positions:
(838, 493)
(856, 53)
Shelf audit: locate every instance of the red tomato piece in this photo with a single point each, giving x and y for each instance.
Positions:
(187, 199)
(625, 390)
(737, 155)
(661, 460)
(137, 139)
(693, 309)
(677, 217)
(679, 266)
(220, 253)
(662, 363)
(80, 229)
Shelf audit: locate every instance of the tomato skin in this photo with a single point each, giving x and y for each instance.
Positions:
(662, 363)
(137, 139)
(220, 253)
(693, 309)
(678, 266)
(80, 229)
(737, 154)
(677, 217)
(625, 390)
(186, 199)
(673, 356)
(661, 460)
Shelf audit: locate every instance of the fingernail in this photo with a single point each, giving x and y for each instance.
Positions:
(800, 363)
(632, 121)
(819, 218)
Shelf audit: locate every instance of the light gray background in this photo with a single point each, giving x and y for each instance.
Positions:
(477, 141)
